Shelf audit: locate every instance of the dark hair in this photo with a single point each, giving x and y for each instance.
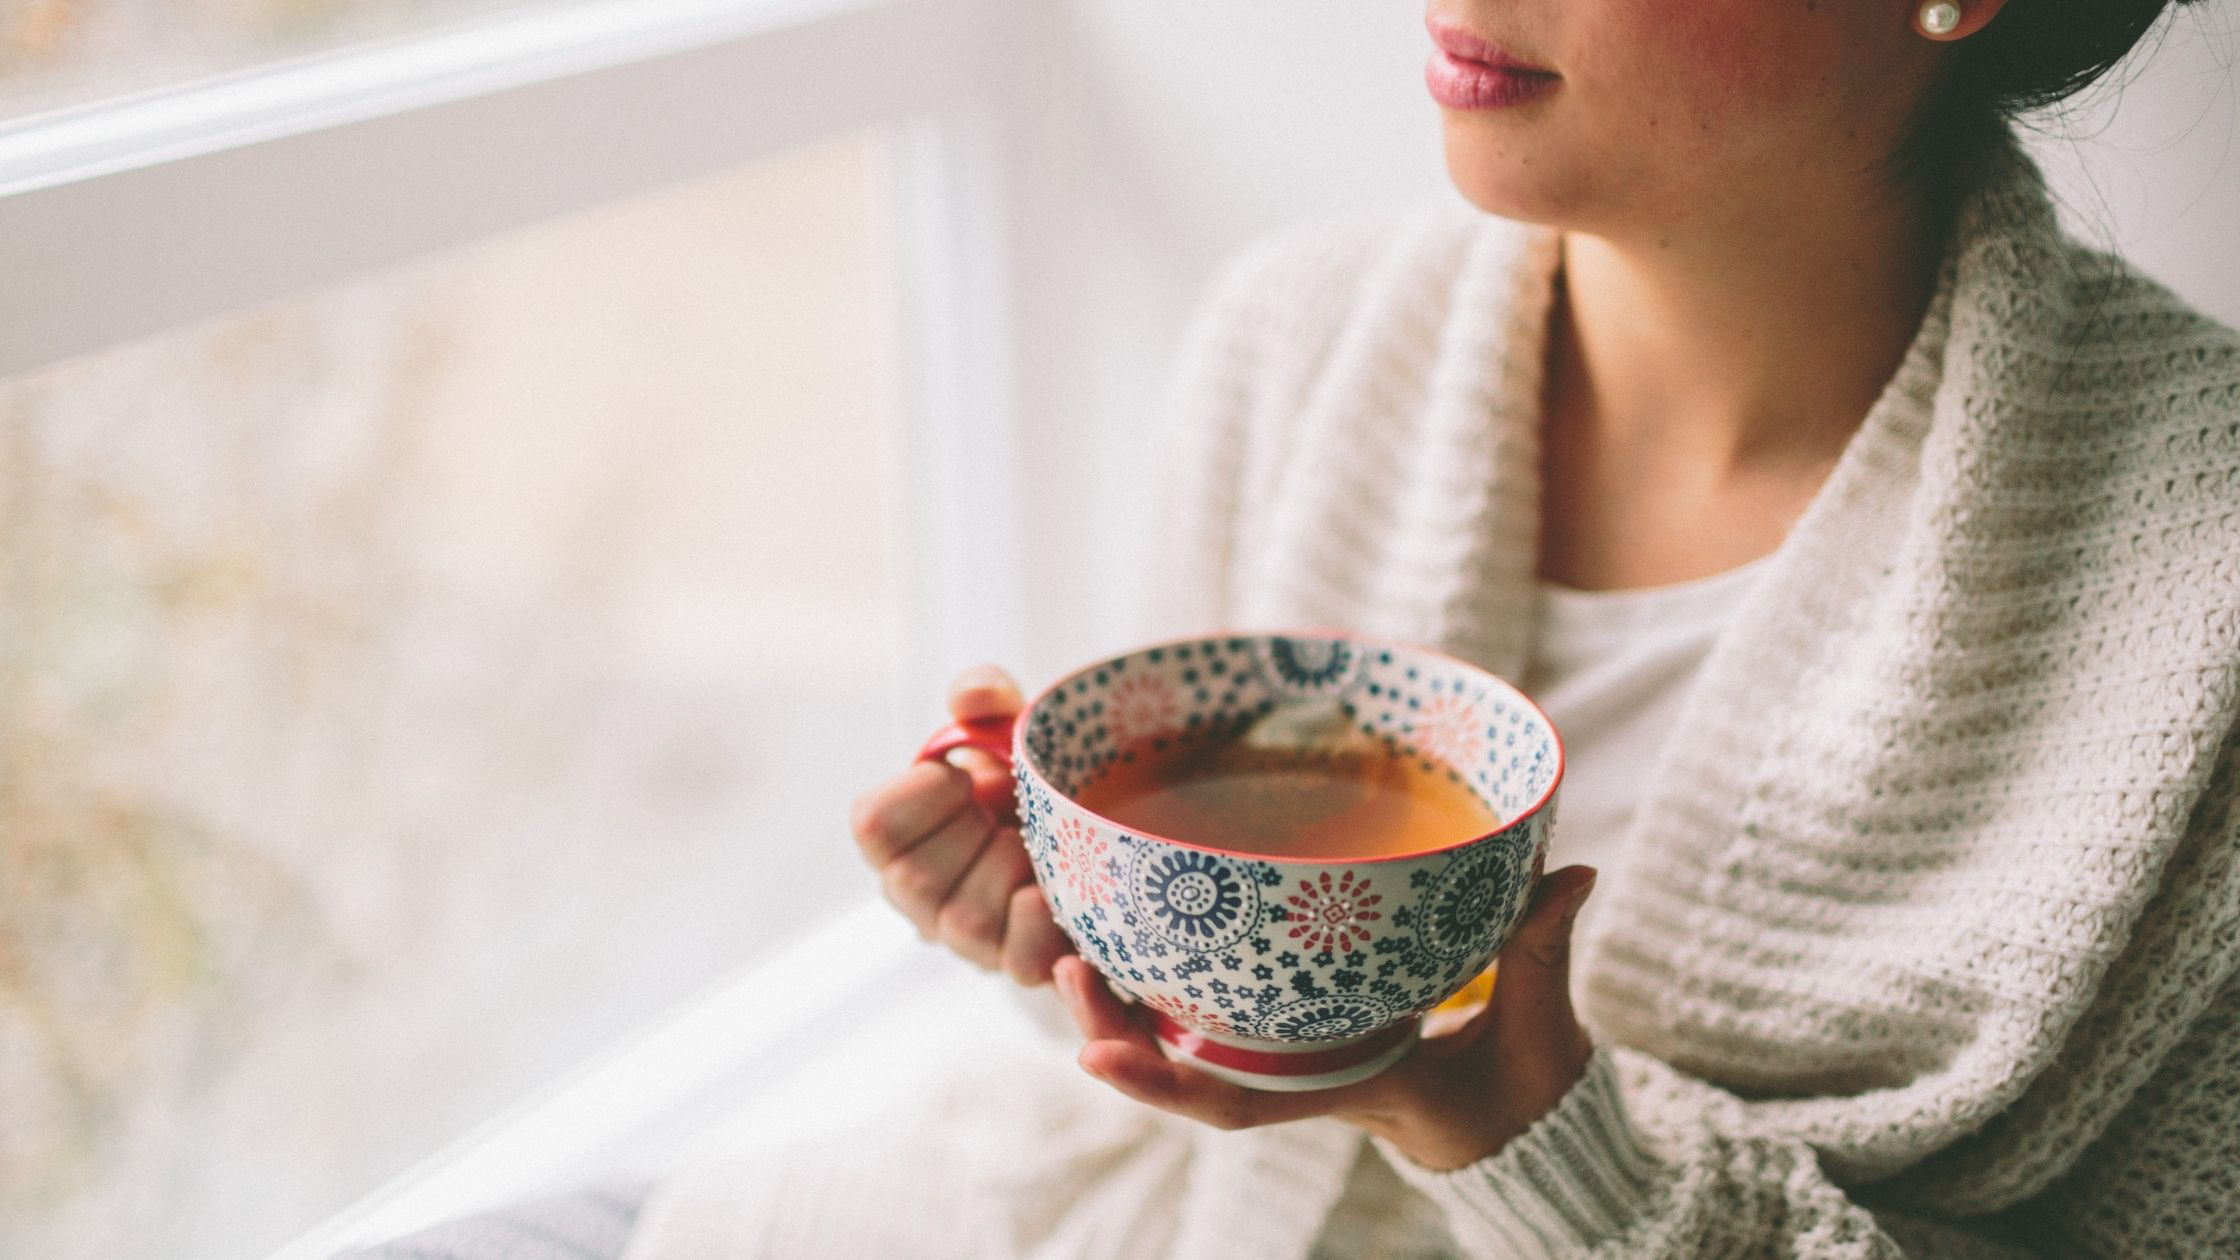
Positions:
(2035, 53)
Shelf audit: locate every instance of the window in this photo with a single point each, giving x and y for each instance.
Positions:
(57, 53)
(447, 607)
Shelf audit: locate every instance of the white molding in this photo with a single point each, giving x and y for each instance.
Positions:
(159, 211)
(955, 331)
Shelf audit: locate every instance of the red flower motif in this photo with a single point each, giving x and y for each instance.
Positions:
(1084, 862)
(1447, 731)
(1192, 1014)
(1139, 707)
(1333, 913)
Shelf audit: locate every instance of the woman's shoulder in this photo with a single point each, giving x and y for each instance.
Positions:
(2084, 395)
(2125, 336)
(2147, 390)
(2078, 331)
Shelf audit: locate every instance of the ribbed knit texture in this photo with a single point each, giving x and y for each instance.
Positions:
(1577, 1176)
(1926, 932)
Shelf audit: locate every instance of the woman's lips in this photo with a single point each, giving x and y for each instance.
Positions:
(1469, 73)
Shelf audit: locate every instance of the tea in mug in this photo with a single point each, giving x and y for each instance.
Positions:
(1290, 803)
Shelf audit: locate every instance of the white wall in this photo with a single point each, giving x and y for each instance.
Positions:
(2148, 162)
(1167, 132)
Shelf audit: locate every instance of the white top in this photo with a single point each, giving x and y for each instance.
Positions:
(1611, 669)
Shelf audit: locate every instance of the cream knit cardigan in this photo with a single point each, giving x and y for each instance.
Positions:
(1926, 937)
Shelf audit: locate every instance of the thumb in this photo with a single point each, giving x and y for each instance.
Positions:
(1536, 962)
(984, 691)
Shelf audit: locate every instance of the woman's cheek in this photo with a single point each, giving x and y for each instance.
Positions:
(1715, 63)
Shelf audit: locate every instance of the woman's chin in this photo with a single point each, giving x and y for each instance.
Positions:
(1510, 199)
(1508, 179)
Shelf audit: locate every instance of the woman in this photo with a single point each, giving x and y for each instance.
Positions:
(1920, 913)
(1878, 551)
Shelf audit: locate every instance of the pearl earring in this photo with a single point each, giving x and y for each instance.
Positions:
(1940, 18)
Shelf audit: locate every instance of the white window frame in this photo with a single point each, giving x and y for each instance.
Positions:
(130, 217)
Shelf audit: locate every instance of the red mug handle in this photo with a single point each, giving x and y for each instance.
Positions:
(991, 735)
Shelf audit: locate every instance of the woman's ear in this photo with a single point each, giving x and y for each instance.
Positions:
(1948, 20)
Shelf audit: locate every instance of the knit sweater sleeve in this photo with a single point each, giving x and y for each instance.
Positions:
(1635, 1163)
(1636, 1170)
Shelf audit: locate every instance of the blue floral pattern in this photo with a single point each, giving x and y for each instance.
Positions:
(1304, 668)
(1331, 1018)
(1196, 900)
(1470, 904)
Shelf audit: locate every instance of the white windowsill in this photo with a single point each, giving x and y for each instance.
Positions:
(800, 1043)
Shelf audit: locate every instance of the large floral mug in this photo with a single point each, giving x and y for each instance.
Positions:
(1280, 973)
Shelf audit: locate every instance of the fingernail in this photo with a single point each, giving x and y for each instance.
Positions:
(1579, 899)
(983, 676)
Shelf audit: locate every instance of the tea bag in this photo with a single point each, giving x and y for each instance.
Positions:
(1301, 765)
(1318, 728)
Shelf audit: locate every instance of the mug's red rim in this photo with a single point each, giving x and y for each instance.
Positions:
(1022, 755)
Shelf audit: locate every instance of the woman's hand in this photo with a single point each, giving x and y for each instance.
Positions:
(1455, 1099)
(945, 841)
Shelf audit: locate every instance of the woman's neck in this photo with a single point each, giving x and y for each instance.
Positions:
(1758, 344)
(1701, 387)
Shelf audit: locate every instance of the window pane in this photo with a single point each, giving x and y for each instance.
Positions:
(405, 693)
(63, 52)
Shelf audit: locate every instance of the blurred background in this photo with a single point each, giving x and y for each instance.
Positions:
(484, 483)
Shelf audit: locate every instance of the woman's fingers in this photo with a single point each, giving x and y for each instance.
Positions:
(983, 692)
(1149, 1078)
(1096, 1011)
(1032, 940)
(920, 882)
(973, 918)
(942, 836)
(991, 784)
(1122, 1053)
(1531, 1002)
(898, 815)
(1523, 1050)
(1454, 1038)
(1119, 1051)
(1535, 975)
(1542, 939)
